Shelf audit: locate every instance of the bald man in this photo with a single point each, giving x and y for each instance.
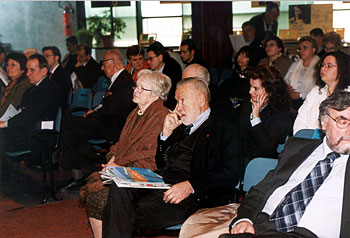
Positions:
(220, 103)
(103, 122)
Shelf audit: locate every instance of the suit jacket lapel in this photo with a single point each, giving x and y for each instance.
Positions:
(345, 219)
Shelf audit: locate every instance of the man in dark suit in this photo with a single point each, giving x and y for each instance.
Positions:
(87, 69)
(70, 59)
(57, 73)
(160, 61)
(39, 103)
(103, 122)
(287, 203)
(189, 54)
(197, 154)
(266, 21)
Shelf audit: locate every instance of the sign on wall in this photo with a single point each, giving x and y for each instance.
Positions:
(303, 18)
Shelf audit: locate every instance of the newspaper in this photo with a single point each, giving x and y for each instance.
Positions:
(11, 111)
(134, 178)
(237, 42)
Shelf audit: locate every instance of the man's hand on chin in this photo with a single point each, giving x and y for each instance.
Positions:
(178, 192)
(2, 124)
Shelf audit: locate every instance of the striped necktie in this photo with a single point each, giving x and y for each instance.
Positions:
(290, 210)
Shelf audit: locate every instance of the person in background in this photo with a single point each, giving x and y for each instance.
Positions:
(331, 42)
(87, 70)
(189, 54)
(70, 59)
(39, 103)
(16, 72)
(238, 86)
(333, 76)
(136, 60)
(275, 55)
(57, 73)
(248, 30)
(265, 120)
(317, 34)
(160, 61)
(105, 121)
(137, 145)
(301, 76)
(30, 51)
(266, 21)
(2, 57)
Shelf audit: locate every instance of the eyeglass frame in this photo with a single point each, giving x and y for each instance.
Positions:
(328, 66)
(140, 88)
(151, 58)
(338, 124)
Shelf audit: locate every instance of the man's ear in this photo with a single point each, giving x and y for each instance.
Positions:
(161, 57)
(323, 124)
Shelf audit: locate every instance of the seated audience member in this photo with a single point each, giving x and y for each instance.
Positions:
(238, 86)
(70, 59)
(219, 103)
(331, 42)
(87, 70)
(16, 72)
(265, 120)
(136, 60)
(189, 54)
(197, 153)
(137, 145)
(39, 103)
(266, 21)
(317, 34)
(30, 51)
(248, 30)
(160, 61)
(333, 76)
(275, 55)
(301, 76)
(2, 58)
(298, 198)
(103, 122)
(57, 73)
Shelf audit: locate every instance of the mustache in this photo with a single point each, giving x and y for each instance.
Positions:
(341, 139)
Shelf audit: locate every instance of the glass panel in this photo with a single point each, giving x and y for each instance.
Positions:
(156, 9)
(169, 30)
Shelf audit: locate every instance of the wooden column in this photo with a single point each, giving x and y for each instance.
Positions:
(211, 26)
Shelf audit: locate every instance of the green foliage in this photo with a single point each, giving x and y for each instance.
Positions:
(101, 25)
(84, 36)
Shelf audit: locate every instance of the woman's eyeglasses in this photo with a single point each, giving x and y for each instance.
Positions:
(140, 88)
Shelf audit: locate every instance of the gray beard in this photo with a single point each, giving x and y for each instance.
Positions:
(345, 150)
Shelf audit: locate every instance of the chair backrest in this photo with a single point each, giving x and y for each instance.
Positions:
(305, 133)
(82, 97)
(97, 98)
(214, 75)
(256, 170)
(102, 84)
(227, 73)
(58, 119)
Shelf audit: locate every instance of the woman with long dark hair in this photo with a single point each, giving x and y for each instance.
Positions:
(265, 120)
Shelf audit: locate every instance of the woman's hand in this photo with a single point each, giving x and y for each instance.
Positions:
(293, 94)
(261, 100)
(109, 164)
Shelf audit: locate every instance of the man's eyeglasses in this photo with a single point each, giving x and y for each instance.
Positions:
(328, 66)
(140, 88)
(151, 58)
(341, 123)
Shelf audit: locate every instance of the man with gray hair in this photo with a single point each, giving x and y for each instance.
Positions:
(308, 194)
(197, 154)
(103, 122)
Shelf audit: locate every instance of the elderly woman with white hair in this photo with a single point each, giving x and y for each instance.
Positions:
(138, 140)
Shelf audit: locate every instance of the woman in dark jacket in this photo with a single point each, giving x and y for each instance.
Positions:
(265, 120)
